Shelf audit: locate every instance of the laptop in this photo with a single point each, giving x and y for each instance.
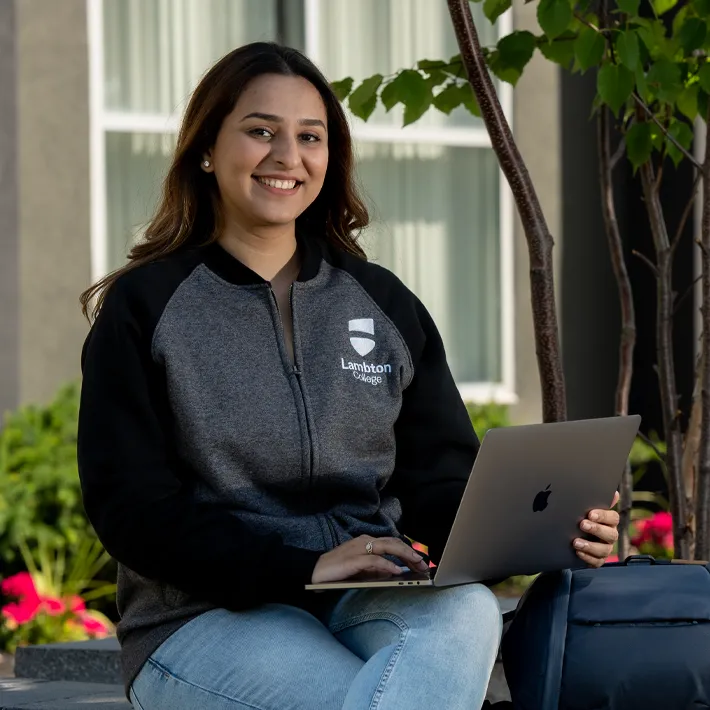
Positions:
(530, 488)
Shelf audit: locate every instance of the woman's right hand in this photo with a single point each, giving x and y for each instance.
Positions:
(352, 558)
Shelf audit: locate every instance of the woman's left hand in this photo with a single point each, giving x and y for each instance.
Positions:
(603, 524)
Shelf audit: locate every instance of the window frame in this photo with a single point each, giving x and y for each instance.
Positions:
(103, 121)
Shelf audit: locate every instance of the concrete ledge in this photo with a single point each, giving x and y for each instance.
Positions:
(22, 694)
(82, 662)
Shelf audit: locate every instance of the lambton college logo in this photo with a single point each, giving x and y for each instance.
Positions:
(364, 371)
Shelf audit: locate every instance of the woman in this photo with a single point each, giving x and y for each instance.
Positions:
(260, 404)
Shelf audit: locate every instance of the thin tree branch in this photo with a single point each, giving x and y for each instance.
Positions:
(647, 261)
(702, 499)
(687, 293)
(627, 340)
(651, 115)
(618, 154)
(668, 388)
(539, 240)
(586, 22)
(686, 212)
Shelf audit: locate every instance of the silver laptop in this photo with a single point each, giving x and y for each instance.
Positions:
(530, 488)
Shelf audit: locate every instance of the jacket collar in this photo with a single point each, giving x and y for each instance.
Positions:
(229, 268)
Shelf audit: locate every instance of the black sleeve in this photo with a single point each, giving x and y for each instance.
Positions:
(436, 442)
(135, 491)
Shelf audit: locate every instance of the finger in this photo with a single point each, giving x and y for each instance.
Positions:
(399, 549)
(617, 497)
(605, 533)
(605, 517)
(589, 560)
(372, 564)
(599, 550)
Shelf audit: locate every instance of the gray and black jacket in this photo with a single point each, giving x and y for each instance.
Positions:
(216, 472)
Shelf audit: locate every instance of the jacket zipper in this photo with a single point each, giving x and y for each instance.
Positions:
(297, 372)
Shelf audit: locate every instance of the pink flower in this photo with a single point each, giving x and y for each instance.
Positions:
(612, 558)
(76, 604)
(656, 530)
(53, 606)
(20, 587)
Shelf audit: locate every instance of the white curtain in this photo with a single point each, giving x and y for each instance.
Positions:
(155, 51)
(436, 225)
(435, 208)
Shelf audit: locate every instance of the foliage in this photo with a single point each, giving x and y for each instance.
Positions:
(487, 416)
(652, 71)
(40, 495)
(47, 603)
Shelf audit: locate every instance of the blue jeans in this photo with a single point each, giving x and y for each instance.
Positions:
(369, 649)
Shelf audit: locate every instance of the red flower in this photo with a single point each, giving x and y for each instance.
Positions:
(20, 587)
(656, 530)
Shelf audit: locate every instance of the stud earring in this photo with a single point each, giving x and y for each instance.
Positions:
(206, 163)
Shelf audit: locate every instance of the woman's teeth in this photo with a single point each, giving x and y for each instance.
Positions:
(278, 184)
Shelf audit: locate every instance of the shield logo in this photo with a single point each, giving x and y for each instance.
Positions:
(362, 346)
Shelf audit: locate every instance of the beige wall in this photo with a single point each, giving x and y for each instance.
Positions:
(54, 212)
(537, 129)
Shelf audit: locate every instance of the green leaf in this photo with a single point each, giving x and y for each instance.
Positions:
(589, 48)
(704, 78)
(683, 133)
(363, 100)
(653, 35)
(662, 6)
(679, 19)
(448, 99)
(469, 100)
(692, 34)
(414, 92)
(390, 95)
(342, 88)
(429, 64)
(630, 7)
(688, 102)
(615, 84)
(702, 7)
(436, 78)
(560, 51)
(639, 144)
(664, 80)
(513, 53)
(641, 84)
(703, 105)
(493, 9)
(627, 49)
(554, 17)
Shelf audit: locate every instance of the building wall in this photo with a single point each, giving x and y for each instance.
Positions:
(9, 234)
(53, 188)
(536, 123)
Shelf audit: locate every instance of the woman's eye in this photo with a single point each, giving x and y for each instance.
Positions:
(260, 133)
(310, 138)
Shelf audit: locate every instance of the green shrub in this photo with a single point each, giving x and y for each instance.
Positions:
(40, 495)
(487, 416)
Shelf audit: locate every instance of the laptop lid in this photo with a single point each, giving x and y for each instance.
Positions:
(530, 488)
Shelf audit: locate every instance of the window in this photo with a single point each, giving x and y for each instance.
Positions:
(441, 212)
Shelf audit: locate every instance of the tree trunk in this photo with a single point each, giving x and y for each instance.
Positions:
(702, 500)
(539, 239)
(628, 316)
(665, 361)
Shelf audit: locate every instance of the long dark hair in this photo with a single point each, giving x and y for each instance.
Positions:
(189, 214)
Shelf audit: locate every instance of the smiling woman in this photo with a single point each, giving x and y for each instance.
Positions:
(271, 153)
(231, 454)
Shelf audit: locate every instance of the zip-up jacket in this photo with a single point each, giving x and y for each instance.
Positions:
(216, 470)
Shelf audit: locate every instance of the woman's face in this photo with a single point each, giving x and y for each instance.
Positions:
(271, 152)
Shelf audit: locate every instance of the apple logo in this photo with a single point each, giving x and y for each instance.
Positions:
(540, 502)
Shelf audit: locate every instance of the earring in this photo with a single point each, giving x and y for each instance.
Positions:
(206, 163)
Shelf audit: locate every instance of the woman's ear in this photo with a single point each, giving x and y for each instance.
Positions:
(207, 165)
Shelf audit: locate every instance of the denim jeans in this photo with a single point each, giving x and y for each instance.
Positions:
(376, 649)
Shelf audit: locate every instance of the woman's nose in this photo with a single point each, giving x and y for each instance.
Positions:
(285, 151)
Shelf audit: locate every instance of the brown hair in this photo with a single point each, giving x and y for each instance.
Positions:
(188, 213)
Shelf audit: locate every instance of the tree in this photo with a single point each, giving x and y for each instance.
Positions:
(653, 82)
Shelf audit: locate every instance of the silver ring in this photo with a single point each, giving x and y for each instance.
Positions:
(368, 547)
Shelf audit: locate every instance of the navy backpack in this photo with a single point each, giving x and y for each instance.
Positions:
(633, 635)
